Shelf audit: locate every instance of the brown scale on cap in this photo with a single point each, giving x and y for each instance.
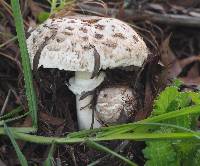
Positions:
(67, 33)
(120, 35)
(83, 29)
(85, 38)
(69, 28)
(59, 40)
(86, 24)
(135, 38)
(90, 21)
(110, 44)
(113, 28)
(87, 47)
(128, 49)
(98, 36)
(34, 40)
(72, 21)
(100, 27)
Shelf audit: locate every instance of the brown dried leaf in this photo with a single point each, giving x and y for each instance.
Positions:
(167, 56)
(188, 81)
(188, 60)
(169, 60)
(194, 71)
(193, 75)
(35, 8)
(50, 119)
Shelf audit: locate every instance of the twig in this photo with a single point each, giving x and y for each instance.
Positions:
(172, 19)
(6, 101)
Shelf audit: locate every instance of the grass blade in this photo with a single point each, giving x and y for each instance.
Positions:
(136, 127)
(107, 150)
(30, 93)
(49, 160)
(11, 113)
(19, 129)
(20, 156)
(193, 136)
(139, 127)
(13, 119)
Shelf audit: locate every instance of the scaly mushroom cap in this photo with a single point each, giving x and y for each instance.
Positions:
(71, 43)
(115, 105)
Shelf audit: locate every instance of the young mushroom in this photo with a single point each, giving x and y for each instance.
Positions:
(86, 45)
(115, 105)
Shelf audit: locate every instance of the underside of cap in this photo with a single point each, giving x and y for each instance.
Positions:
(79, 43)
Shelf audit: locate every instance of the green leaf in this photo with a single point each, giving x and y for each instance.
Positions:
(156, 154)
(195, 158)
(186, 150)
(168, 101)
(195, 97)
(30, 93)
(11, 113)
(13, 119)
(42, 16)
(20, 155)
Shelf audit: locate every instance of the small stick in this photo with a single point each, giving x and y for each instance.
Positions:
(172, 19)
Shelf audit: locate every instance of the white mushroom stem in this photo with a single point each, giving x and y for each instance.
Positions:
(79, 85)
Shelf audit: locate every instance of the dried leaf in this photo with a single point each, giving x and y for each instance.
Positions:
(188, 81)
(35, 8)
(50, 119)
(167, 56)
(169, 60)
(188, 60)
(194, 71)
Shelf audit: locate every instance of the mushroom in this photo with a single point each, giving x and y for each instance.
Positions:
(115, 105)
(86, 45)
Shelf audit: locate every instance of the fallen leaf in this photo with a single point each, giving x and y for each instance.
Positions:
(188, 81)
(187, 61)
(45, 117)
(194, 71)
(169, 60)
(35, 8)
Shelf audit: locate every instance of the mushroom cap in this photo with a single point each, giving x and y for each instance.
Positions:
(115, 105)
(78, 43)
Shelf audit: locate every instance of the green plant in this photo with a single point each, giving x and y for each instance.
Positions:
(172, 153)
(30, 93)
(55, 6)
(20, 156)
